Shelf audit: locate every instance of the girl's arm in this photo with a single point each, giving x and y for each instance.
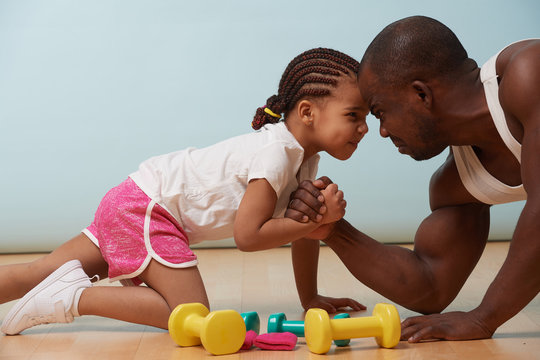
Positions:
(255, 229)
(305, 257)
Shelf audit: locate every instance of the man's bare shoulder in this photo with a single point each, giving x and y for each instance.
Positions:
(519, 89)
(446, 188)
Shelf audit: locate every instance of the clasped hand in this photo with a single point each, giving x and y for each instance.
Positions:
(320, 201)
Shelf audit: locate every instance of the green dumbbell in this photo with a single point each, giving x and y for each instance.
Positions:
(252, 321)
(344, 342)
(278, 323)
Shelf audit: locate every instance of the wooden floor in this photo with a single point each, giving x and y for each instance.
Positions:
(263, 282)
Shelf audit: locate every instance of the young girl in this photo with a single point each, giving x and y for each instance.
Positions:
(239, 187)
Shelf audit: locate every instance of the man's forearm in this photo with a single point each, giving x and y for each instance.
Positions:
(393, 271)
(518, 280)
(383, 268)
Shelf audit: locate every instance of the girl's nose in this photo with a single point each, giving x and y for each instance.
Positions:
(363, 128)
(384, 133)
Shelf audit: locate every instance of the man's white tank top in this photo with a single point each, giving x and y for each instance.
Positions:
(481, 184)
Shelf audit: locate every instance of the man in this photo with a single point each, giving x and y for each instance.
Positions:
(428, 95)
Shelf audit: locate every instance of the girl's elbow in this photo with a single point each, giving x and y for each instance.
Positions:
(243, 243)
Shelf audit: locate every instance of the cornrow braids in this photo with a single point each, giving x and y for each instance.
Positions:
(312, 74)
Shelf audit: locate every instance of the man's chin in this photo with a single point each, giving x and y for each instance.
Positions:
(425, 156)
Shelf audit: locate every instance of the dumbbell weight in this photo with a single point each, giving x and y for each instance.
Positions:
(220, 332)
(252, 321)
(384, 325)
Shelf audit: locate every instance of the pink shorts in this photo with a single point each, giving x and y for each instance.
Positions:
(130, 229)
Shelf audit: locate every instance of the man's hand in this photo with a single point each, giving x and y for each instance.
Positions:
(322, 232)
(307, 202)
(448, 326)
(332, 305)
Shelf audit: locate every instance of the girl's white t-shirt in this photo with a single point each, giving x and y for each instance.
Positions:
(202, 188)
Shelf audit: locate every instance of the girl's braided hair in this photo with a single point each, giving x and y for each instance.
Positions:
(312, 74)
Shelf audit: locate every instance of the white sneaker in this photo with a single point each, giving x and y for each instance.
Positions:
(54, 300)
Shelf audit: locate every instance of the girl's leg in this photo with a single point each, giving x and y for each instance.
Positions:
(152, 305)
(17, 279)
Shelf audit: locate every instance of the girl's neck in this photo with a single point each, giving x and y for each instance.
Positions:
(301, 134)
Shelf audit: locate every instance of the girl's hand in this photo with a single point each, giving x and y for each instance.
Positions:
(332, 305)
(335, 204)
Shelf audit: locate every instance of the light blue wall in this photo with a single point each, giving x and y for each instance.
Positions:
(88, 89)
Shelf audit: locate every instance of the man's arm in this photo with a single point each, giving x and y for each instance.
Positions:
(448, 244)
(517, 282)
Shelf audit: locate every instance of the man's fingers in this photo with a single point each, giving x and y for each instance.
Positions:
(308, 187)
(308, 198)
(407, 331)
(298, 208)
(418, 328)
(296, 215)
(425, 333)
(410, 321)
(322, 182)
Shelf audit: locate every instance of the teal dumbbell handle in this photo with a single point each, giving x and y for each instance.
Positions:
(252, 321)
(345, 342)
(279, 323)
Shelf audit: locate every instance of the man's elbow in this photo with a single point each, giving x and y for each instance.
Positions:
(431, 302)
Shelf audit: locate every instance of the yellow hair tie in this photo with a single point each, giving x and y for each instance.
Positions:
(271, 113)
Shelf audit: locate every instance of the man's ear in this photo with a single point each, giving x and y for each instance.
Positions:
(305, 109)
(423, 93)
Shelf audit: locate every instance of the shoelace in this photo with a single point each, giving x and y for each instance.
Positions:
(52, 318)
(41, 319)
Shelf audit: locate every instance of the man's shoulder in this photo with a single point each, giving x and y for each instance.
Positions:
(514, 55)
(519, 70)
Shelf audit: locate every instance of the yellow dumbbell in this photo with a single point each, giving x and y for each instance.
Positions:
(384, 325)
(220, 332)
